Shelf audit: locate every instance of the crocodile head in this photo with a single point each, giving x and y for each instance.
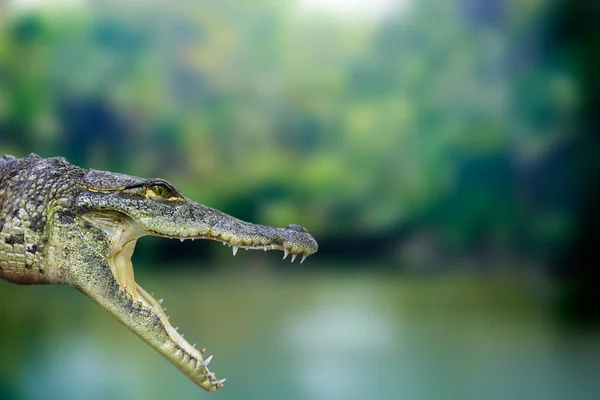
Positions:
(113, 211)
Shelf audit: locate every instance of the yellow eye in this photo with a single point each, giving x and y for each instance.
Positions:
(161, 190)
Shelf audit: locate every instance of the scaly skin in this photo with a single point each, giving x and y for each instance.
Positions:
(61, 224)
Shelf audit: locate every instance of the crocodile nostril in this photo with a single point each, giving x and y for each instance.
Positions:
(295, 227)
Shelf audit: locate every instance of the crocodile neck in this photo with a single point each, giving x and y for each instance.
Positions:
(32, 190)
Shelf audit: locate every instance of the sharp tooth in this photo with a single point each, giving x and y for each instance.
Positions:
(221, 382)
(294, 257)
(285, 253)
(181, 238)
(160, 301)
(176, 328)
(205, 363)
(304, 256)
(194, 345)
(182, 335)
(159, 315)
(235, 249)
(265, 247)
(224, 243)
(192, 239)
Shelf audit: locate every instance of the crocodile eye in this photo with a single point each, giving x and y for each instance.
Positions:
(161, 191)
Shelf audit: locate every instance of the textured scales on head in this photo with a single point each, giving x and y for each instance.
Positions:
(63, 224)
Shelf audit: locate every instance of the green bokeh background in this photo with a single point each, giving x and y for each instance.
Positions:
(441, 152)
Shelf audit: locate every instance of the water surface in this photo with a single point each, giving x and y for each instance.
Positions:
(302, 336)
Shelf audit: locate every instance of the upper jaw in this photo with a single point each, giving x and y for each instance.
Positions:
(190, 220)
(283, 239)
(196, 221)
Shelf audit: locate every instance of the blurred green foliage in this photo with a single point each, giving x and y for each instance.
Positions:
(446, 119)
(414, 134)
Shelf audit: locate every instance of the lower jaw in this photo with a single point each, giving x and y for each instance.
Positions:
(122, 269)
(146, 318)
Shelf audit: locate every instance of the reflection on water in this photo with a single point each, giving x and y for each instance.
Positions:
(80, 371)
(302, 337)
(333, 339)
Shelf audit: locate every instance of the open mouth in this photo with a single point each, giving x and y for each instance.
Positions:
(144, 315)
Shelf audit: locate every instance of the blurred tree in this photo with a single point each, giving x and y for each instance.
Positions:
(446, 119)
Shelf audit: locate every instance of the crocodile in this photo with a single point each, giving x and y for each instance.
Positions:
(63, 224)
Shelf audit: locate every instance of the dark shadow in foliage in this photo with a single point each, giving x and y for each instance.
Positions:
(6, 392)
(91, 124)
(577, 37)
